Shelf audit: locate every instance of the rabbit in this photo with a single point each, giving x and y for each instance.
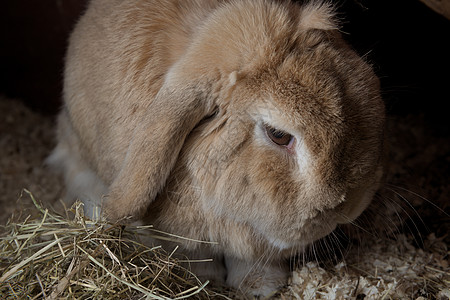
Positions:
(251, 125)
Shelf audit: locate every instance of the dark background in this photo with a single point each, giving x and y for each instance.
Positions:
(408, 44)
(33, 35)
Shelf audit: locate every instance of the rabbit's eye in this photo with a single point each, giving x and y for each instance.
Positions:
(278, 137)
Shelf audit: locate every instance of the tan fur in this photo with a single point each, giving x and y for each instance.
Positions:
(142, 80)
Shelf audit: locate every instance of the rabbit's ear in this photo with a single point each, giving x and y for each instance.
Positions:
(155, 146)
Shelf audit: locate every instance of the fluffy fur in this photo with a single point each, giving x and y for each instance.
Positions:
(166, 105)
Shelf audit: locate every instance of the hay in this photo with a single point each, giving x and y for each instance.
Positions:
(53, 257)
(49, 256)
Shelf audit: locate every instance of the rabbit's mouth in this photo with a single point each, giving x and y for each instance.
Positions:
(319, 225)
(304, 242)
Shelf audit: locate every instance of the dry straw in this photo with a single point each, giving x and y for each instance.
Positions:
(54, 257)
(49, 256)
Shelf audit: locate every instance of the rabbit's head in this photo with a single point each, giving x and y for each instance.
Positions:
(284, 127)
(295, 144)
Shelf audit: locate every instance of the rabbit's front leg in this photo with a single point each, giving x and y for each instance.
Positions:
(260, 278)
(82, 183)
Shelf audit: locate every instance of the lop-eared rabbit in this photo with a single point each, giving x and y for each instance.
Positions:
(247, 123)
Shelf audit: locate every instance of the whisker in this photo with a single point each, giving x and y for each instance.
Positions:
(393, 205)
(420, 197)
(411, 219)
(352, 222)
(328, 245)
(316, 257)
(304, 256)
(409, 204)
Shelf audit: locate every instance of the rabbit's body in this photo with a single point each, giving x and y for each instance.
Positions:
(246, 123)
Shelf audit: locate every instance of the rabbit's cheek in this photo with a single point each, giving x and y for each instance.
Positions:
(357, 200)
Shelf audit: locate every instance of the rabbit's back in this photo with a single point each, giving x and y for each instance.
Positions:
(117, 58)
